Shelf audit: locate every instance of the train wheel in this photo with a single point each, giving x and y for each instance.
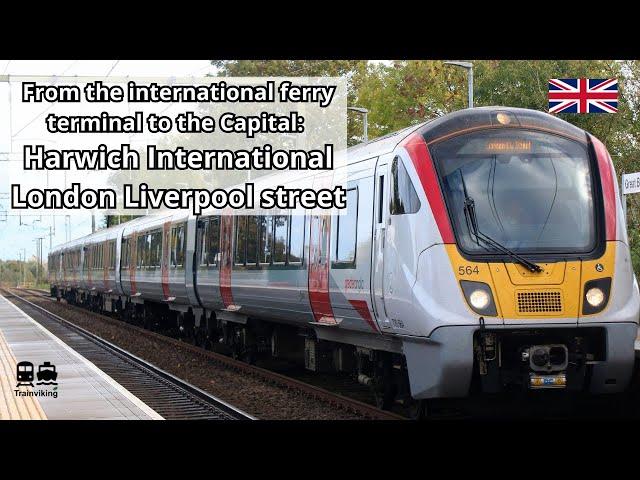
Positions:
(385, 398)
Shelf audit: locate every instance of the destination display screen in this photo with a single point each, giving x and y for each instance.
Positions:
(532, 190)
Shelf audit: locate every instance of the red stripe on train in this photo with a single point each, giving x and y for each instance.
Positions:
(607, 180)
(164, 263)
(89, 261)
(133, 256)
(419, 153)
(105, 265)
(226, 233)
(363, 309)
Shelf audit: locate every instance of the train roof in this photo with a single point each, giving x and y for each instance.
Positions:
(487, 117)
(381, 145)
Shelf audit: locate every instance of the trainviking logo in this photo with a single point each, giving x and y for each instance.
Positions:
(46, 375)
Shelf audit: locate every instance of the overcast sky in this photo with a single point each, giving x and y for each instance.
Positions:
(17, 233)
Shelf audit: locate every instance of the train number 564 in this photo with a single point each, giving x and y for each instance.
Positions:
(468, 270)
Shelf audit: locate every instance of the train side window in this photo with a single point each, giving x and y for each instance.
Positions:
(143, 248)
(146, 252)
(140, 251)
(113, 255)
(179, 255)
(152, 249)
(204, 233)
(280, 230)
(266, 239)
(404, 198)
(156, 248)
(296, 239)
(252, 240)
(124, 253)
(241, 240)
(213, 241)
(172, 247)
(149, 249)
(346, 231)
(380, 197)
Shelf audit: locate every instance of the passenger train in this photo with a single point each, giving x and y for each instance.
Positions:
(482, 251)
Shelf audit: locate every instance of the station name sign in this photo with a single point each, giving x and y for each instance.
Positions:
(631, 183)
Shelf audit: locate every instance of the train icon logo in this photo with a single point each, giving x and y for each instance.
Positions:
(47, 374)
(24, 374)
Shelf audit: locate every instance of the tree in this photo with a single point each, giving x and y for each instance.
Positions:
(355, 71)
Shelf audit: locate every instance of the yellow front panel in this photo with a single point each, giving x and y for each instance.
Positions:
(556, 292)
(560, 279)
(473, 271)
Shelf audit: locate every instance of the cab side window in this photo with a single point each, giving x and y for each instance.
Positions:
(346, 233)
(404, 198)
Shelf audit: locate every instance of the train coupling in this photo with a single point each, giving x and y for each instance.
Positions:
(548, 364)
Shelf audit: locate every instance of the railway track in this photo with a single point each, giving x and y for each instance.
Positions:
(361, 409)
(169, 396)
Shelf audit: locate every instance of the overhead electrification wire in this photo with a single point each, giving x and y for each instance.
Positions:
(112, 67)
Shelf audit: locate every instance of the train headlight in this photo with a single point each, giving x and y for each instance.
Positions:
(596, 295)
(479, 297)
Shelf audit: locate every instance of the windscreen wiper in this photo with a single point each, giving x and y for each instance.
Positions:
(472, 225)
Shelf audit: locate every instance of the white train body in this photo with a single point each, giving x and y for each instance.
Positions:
(391, 283)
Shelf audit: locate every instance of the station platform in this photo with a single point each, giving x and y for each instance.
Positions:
(81, 390)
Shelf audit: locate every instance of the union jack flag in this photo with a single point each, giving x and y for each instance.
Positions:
(583, 95)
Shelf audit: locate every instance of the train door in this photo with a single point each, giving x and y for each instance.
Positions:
(379, 255)
(318, 280)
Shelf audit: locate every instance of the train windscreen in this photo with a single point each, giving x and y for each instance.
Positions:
(530, 191)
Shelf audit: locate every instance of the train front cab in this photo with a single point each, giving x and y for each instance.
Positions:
(529, 284)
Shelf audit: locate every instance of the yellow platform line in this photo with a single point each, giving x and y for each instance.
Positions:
(11, 406)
